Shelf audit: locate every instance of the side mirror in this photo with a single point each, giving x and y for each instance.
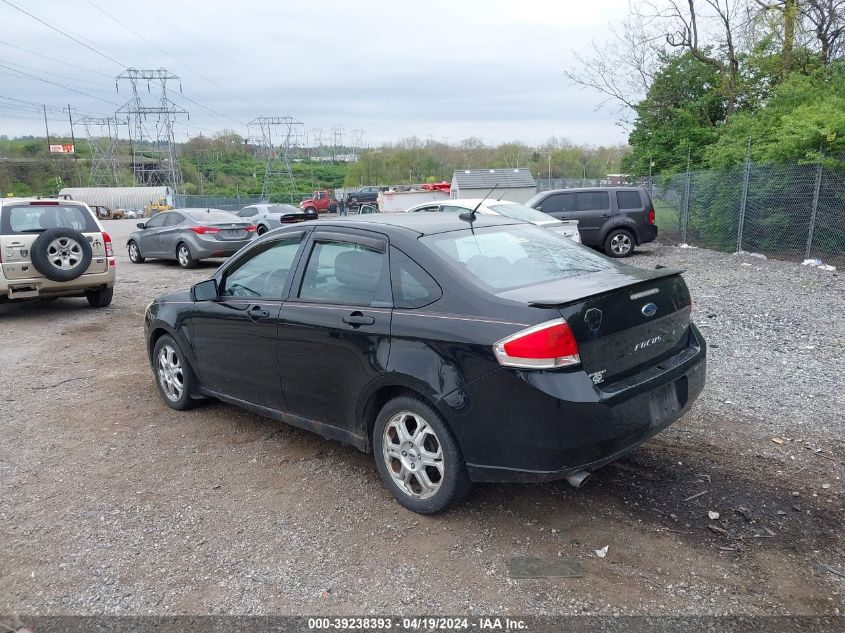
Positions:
(141, 225)
(206, 290)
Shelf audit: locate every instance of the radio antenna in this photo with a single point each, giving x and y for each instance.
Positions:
(470, 217)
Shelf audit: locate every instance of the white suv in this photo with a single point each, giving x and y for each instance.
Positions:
(54, 248)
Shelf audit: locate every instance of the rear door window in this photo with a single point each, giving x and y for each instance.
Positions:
(38, 218)
(173, 219)
(593, 201)
(345, 273)
(629, 200)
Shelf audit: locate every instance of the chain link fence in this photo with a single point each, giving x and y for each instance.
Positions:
(782, 210)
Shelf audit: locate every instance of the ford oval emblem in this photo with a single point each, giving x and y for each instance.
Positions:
(649, 309)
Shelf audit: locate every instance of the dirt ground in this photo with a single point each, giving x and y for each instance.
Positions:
(111, 503)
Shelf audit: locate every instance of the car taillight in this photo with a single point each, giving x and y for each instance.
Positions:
(544, 346)
(650, 216)
(202, 230)
(250, 228)
(107, 242)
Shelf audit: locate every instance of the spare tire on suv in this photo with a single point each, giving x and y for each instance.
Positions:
(61, 254)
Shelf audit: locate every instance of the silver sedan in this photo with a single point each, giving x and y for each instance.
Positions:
(267, 217)
(188, 235)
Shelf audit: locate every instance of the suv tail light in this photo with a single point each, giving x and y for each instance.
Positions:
(202, 230)
(108, 245)
(544, 346)
(650, 216)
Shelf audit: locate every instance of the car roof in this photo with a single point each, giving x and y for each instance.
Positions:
(596, 188)
(423, 223)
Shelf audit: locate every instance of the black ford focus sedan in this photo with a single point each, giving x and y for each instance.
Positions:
(456, 349)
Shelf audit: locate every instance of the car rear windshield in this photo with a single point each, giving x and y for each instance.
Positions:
(28, 218)
(213, 217)
(505, 257)
(519, 212)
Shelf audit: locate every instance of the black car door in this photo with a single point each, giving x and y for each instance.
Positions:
(334, 330)
(235, 336)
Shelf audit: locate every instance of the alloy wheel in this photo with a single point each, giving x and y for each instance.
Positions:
(621, 243)
(184, 255)
(64, 253)
(413, 455)
(170, 374)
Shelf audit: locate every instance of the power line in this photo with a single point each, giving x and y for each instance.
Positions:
(53, 83)
(64, 33)
(215, 112)
(55, 59)
(161, 50)
(47, 72)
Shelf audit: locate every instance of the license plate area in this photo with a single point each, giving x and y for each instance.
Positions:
(668, 400)
(232, 233)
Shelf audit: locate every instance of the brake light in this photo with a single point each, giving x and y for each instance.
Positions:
(544, 346)
(650, 216)
(250, 228)
(202, 230)
(44, 203)
(107, 242)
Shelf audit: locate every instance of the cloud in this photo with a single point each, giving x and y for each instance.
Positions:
(492, 69)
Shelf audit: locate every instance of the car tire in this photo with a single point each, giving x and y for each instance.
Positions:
(173, 375)
(261, 229)
(310, 210)
(99, 298)
(619, 243)
(135, 253)
(184, 257)
(61, 254)
(422, 466)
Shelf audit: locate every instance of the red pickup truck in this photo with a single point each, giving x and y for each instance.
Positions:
(320, 201)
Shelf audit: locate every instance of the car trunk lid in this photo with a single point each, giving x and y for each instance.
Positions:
(623, 320)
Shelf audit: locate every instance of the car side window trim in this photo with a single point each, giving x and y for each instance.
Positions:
(374, 243)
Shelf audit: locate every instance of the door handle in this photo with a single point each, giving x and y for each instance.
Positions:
(256, 312)
(357, 318)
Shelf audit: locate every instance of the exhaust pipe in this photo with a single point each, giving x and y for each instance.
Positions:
(576, 479)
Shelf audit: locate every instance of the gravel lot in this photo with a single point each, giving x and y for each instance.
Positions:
(111, 503)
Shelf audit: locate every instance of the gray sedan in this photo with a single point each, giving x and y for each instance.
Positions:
(188, 235)
(267, 217)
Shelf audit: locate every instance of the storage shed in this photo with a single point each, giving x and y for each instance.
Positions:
(516, 185)
(119, 197)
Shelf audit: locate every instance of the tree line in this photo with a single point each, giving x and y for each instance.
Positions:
(696, 80)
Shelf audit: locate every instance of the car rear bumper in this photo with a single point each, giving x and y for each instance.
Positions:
(647, 233)
(202, 248)
(554, 424)
(23, 289)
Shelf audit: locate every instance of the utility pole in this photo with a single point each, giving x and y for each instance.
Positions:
(73, 142)
(47, 129)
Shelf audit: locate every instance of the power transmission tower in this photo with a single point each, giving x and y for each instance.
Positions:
(279, 137)
(357, 142)
(102, 133)
(154, 160)
(337, 141)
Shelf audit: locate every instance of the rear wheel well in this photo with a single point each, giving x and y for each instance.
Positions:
(378, 399)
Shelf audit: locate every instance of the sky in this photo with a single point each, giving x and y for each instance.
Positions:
(436, 70)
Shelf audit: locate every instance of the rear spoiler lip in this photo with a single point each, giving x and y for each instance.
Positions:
(647, 276)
